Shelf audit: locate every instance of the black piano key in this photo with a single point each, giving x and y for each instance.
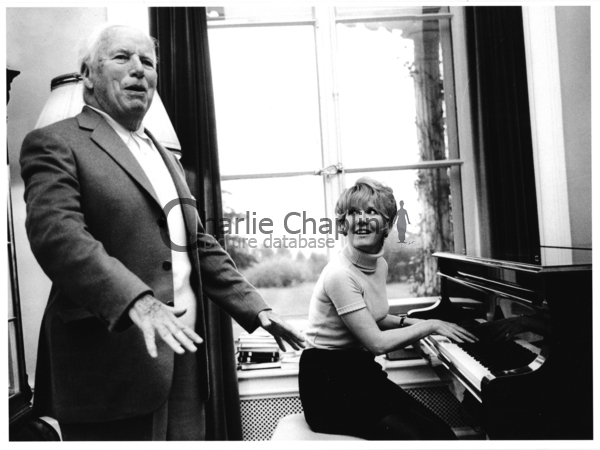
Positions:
(499, 356)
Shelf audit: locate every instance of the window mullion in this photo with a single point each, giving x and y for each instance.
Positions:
(434, 164)
(471, 211)
(452, 134)
(325, 39)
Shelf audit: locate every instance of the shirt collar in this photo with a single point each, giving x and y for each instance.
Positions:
(123, 132)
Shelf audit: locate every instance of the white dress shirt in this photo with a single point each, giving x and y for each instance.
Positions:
(143, 149)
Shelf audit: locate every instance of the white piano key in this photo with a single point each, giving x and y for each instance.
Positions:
(465, 363)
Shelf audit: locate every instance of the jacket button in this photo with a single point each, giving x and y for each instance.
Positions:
(162, 221)
(167, 265)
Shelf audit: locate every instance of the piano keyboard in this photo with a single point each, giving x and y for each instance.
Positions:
(465, 363)
(480, 361)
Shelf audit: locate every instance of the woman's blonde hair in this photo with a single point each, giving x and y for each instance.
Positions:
(366, 190)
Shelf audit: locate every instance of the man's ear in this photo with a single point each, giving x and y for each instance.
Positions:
(86, 75)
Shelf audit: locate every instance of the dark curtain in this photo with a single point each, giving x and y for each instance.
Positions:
(185, 86)
(504, 149)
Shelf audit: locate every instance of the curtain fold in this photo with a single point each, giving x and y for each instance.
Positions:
(504, 149)
(185, 86)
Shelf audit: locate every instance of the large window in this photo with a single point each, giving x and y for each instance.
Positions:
(309, 99)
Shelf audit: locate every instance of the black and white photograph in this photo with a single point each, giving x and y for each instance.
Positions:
(340, 225)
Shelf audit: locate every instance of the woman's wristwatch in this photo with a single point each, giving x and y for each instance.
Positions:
(402, 318)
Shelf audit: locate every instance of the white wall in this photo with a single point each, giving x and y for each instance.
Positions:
(574, 54)
(558, 49)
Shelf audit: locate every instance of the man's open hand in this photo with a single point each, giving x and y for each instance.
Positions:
(152, 317)
(281, 330)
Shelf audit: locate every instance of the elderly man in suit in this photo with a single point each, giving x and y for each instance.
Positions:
(118, 355)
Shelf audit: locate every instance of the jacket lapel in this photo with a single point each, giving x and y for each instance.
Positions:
(183, 190)
(111, 143)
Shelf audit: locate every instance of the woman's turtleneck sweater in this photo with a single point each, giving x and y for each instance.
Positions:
(351, 281)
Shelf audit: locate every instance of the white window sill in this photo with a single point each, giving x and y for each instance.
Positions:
(265, 383)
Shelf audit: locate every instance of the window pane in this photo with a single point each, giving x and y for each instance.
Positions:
(290, 249)
(427, 202)
(391, 93)
(251, 13)
(266, 99)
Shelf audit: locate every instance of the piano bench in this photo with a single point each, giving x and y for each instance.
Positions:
(295, 428)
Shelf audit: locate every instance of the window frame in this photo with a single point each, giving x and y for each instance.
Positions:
(324, 23)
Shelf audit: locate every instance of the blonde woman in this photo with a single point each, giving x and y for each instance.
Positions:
(342, 388)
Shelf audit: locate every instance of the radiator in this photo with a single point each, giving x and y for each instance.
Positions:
(260, 416)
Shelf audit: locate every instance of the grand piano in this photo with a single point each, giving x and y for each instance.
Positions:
(530, 374)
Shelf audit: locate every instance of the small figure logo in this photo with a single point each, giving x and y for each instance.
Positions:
(402, 219)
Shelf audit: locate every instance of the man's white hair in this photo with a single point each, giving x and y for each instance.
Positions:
(90, 46)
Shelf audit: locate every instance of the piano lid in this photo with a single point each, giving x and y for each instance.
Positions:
(549, 256)
(564, 259)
